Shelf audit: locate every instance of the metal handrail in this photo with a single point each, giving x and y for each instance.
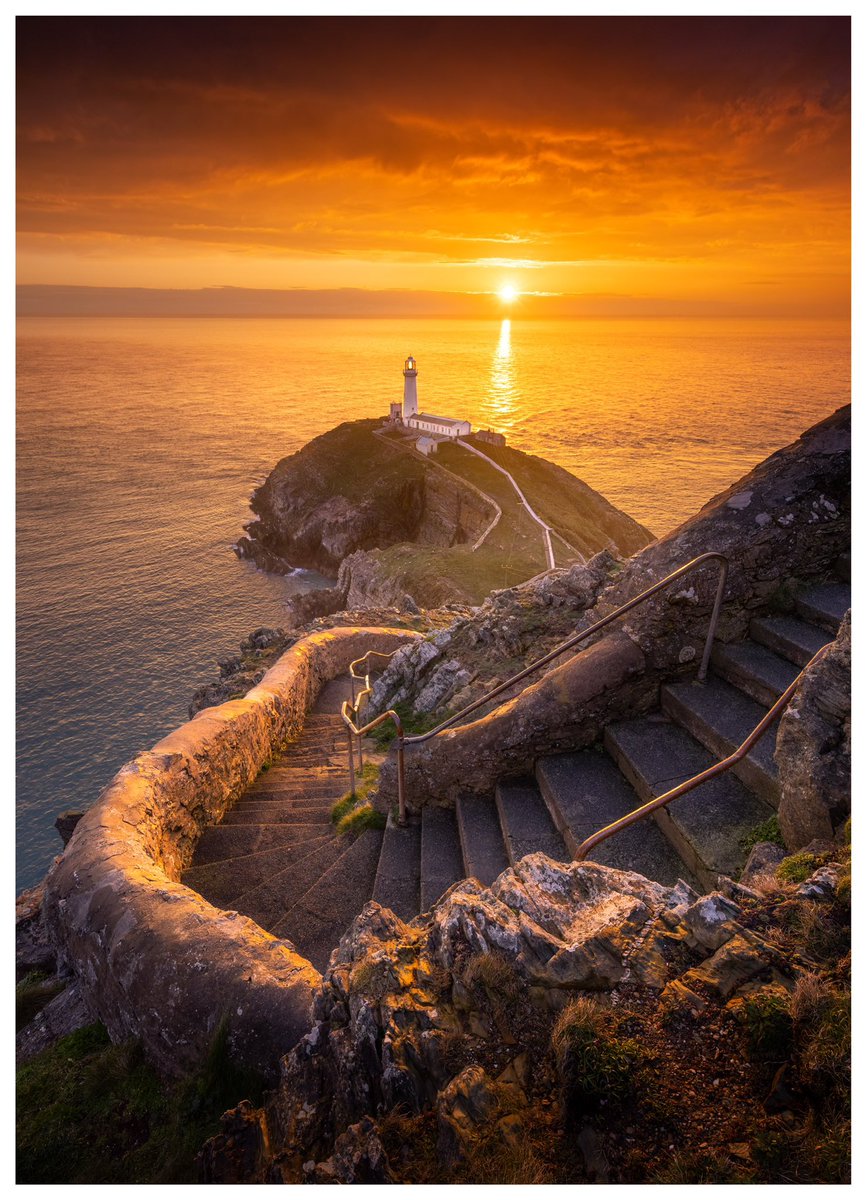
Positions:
(718, 768)
(710, 556)
(350, 712)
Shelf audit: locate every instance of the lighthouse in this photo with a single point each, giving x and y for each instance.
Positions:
(410, 389)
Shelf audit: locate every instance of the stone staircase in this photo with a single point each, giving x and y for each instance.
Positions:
(276, 858)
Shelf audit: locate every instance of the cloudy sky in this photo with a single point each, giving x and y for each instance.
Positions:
(696, 163)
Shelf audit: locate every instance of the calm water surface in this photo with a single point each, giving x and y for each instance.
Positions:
(139, 442)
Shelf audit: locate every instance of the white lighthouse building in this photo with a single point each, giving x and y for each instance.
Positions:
(410, 389)
(425, 423)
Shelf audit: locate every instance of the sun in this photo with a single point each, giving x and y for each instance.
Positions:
(508, 293)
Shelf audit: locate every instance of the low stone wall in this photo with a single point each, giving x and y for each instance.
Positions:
(153, 959)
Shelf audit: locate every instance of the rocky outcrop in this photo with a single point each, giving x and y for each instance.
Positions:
(348, 491)
(784, 522)
(153, 960)
(813, 749)
(452, 1014)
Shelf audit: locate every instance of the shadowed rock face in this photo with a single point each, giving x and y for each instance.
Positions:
(451, 1014)
(153, 960)
(813, 749)
(788, 520)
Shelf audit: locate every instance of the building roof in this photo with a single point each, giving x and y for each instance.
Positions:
(441, 420)
(426, 441)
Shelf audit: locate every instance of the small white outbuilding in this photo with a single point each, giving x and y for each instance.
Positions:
(426, 445)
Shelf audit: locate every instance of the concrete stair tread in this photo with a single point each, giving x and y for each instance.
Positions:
(318, 919)
(721, 717)
(441, 856)
(484, 854)
(706, 824)
(223, 881)
(585, 792)
(398, 875)
(268, 900)
(824, 603)
(789, 637)
(275, 814)
(221, 842)
(754, 669)
(527, 826)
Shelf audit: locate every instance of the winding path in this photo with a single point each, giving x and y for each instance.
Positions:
(545, 528)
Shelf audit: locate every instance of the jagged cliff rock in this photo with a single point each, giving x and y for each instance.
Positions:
(813, 749)
(444, 1050)
(348, 491)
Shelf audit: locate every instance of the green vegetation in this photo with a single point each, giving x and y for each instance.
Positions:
(384, 735)
(361, 818)
(766, 831)
(766, 1017)
(593, 1064)
(32, 993)
(797, 868)
(90, 1112)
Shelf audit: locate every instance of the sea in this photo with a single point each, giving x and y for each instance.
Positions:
(140, 440)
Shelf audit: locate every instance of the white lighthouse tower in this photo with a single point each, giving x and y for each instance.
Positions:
(410, 388)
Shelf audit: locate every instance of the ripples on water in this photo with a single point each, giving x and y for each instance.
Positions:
(139, 442)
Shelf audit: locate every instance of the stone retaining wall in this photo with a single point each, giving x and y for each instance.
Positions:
(153, 959)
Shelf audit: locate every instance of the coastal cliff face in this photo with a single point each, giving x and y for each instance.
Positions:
(347, 491)
(398, 529)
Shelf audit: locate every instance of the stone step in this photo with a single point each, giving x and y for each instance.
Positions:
(398, 875)
(222, 882)
(316, 821)
(824, 604)
(441, 856)
(268, 901)
(318, 919)
(527, 826)
(789, 637)
(481, 841)
(221, 842)
(705, 826)
(754, 669)
(584, 792)
(721, 717)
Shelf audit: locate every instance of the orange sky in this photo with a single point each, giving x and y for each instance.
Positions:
(686, 162)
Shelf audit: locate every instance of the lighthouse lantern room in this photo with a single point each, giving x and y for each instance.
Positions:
(410, 388)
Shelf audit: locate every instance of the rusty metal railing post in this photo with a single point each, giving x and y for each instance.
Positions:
(401, 773)
(714, 619)
(351, 762)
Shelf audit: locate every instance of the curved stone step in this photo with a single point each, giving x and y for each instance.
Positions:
(754, 669)
(221, 842)
(319, 918)
(824, 604)
(584, 792)
(789, 637)
(721, 717)
(481, 840)
(526, 824)
(398, 874)
(705, 826)
(441, 856)
(276, 814)
(268, 901)
(224, 881)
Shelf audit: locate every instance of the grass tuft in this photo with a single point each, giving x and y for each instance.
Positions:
(766, 831)
(593, 1064)
(359, 819)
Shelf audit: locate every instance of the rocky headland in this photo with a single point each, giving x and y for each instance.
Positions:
(397, 529)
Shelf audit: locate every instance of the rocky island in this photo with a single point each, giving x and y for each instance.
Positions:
(398, 528)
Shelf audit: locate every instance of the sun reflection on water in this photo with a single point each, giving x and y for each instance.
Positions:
(502, 399)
